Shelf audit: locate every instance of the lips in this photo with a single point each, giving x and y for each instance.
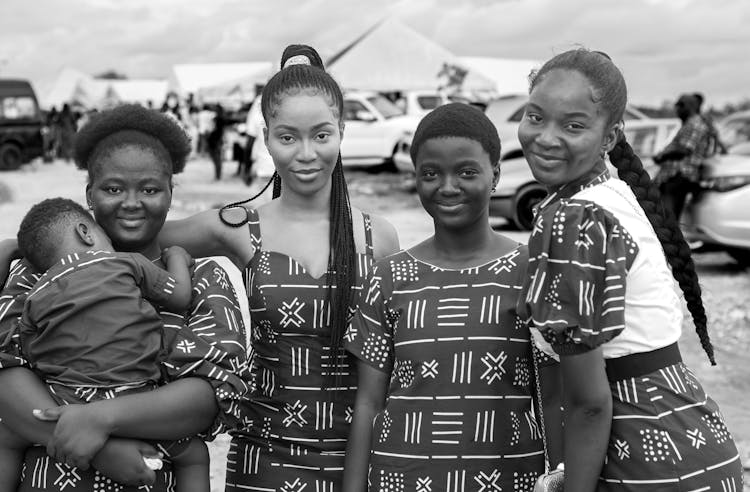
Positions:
(307, 171)
(131, 222)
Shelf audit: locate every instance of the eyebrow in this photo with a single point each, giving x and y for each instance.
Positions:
(314, 127)
(572, 114)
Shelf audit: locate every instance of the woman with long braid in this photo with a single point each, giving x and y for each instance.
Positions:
(601, 294)
(304, 257)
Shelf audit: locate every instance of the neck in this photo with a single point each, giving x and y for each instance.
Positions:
(151, 251)
(294, 204)
(465, 243)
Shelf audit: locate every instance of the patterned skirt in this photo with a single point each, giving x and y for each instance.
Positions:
(42, 473)
(667, 435)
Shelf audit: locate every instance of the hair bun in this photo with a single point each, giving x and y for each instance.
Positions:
(301, 54)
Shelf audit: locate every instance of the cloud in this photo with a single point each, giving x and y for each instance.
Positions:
(663, 47)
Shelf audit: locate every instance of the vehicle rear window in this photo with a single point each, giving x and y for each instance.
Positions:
(386, 107)
(429, 102)
(13, 108)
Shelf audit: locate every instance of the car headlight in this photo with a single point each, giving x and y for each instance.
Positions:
(725, 183)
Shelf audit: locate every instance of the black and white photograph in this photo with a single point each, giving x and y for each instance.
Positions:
(396, 246)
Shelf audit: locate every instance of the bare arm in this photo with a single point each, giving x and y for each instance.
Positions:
(550, 376)
(204, 234)
(384, 237)
(371, 393)
(21, 391)
(588, 418)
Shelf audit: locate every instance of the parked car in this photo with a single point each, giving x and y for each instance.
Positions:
(20, 124)
(374, 127)
(518, 192)
(419, 103)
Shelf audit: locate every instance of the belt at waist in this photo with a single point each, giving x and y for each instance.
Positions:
(634, 365)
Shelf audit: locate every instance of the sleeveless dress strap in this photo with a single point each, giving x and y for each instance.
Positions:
(369, 250)
(253, 224)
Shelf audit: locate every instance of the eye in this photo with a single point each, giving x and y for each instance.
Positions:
(575, 126)
(428, 173)
(150, 191)
(468, 173)
(533, 117)
(322, 136)
(287, 139)
(112, 190)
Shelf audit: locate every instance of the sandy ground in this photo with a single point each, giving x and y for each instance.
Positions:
(726, 286)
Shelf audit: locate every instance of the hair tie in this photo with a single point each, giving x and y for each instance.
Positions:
(297, 60)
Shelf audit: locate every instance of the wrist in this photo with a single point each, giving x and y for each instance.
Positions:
(104, 415)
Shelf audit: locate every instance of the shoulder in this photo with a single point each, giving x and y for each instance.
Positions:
(384, 236)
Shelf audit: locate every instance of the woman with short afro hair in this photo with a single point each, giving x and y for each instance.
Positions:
(130, 154)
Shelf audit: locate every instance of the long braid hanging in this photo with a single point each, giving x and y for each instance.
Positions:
(341, 270)
(630, 169)
(239, 204)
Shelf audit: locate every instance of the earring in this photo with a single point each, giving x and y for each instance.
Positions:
(91, 207)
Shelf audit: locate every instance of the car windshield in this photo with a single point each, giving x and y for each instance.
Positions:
(735, 132)
(13, 108)
(429, 102)
(384, 106)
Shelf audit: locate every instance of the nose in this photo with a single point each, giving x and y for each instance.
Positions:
(307, 151)
(547, 136)
(131, 200)
(449, 186)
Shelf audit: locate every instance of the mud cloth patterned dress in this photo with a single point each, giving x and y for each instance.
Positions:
(208, 341)
(294, 433)
(459, 414)
(599, 278)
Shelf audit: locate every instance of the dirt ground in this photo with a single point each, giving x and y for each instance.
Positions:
(726, 286)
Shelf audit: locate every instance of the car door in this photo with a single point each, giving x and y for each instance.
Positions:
(362, 132)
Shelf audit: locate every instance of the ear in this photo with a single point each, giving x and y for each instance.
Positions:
(342, 126)
(495, 175)
(89, 196)
(611, 137)
(83, 233)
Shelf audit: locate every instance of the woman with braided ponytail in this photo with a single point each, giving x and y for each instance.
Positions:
(304, 257)
(601, 295)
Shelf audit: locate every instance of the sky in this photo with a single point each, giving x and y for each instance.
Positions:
(664, 47)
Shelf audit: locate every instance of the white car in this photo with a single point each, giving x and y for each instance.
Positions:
(373, 128)
(518, 192)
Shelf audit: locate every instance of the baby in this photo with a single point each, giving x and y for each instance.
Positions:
(88, 328)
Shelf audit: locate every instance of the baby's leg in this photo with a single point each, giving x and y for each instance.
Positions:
(12, 450)
(190, 461)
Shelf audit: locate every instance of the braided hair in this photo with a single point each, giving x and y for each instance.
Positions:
(295, 78)
(610, 92)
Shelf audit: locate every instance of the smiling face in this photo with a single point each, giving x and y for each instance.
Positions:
(564, 132)
(304, 137)
(130, 192)
(454, 181)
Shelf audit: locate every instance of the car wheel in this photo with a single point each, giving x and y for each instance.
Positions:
(526, 200)
(741, 256)
(10, 157)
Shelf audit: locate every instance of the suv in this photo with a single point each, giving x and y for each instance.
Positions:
(20, 124)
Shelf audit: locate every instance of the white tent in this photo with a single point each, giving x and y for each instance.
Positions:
(80, 89)
(393, 57)
(511, 75)
(219, 80)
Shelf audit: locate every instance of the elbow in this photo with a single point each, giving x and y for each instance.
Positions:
(591, 407)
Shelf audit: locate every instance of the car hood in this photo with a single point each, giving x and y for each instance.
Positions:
(407, 122)
(727, 165)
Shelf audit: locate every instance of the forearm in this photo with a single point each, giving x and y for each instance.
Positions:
(358, 446)
(21, 391)
(179, 409)
(586, 436)
(179, 301)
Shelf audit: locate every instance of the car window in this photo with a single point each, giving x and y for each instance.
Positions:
(429, 102)
(13, 108)
(735, 132)
(503, 109)
(351, 108)
(384, 106)
(518, 115)
(642, 140)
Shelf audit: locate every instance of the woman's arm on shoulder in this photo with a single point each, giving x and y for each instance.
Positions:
(588, 418)
(204, 234)
(384, 237)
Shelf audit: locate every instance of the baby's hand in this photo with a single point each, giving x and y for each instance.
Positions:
(176, 252)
